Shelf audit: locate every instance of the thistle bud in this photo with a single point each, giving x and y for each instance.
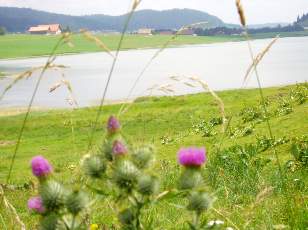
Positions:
(36, 204)
(51, 222)
(108, 149)
(190, 178)
(93, 166)
(143, 157)
(147, 185)
(119, 148)
(76, 202)
(126, 174)
(53, 195)
(199, 201)
(113, 125)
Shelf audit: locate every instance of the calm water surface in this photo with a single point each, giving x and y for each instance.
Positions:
(221, 65)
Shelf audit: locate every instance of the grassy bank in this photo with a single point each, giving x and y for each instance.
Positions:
(18, 46)
(169, 123)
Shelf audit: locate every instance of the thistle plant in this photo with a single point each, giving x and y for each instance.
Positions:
(58, 207)
(124, 174)
(191, 182)
(127, 172)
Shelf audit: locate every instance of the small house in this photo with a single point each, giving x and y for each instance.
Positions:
(46, 29)
(145, 31)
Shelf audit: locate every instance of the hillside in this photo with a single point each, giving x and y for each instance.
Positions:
(20, 19)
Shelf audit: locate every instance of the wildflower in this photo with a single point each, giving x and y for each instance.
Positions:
(113, 125)
(213, 223)
(191, 157)
(36, 204)
(93, 227)
(40, 166)
(119, 148)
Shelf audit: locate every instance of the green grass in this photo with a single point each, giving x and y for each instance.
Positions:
(151, 120)
(13, 46)
(18, 46)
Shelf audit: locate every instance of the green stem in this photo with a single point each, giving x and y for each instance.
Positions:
(196, 220)
(73, 222)
(50, 59)
(138, 213)
(263, 103)
(129, 17)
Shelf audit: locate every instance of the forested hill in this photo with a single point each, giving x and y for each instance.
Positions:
(20, 19)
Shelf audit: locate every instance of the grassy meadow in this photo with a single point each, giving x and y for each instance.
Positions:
(13, 46)
(250, 193)
(18, 46)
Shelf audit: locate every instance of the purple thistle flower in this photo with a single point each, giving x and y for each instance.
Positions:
(36, 204)
(113, 125)
(191, 156)
(40, 166)
(119, 148)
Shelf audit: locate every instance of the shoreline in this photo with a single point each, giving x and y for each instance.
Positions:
(17, 110)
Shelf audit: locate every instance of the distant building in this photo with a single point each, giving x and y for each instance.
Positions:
(46, 29)
(145, 31)
(188, 31)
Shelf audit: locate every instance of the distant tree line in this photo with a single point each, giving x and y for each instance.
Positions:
(302, 18)
(236, 31)
(2, 30)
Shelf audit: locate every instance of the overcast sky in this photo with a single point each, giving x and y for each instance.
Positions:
(257, 11)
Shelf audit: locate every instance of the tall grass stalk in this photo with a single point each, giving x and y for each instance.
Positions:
(256, 61)
(9, 207)
(2, 222)
(49, 61)
(135, 5)
(226, 218)
(243, 22)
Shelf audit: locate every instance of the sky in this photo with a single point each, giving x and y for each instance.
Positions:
(257, 11)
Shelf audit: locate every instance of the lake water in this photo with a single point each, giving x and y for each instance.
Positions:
(221, 65)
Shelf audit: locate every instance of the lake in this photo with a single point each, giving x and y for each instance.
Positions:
(221, 65)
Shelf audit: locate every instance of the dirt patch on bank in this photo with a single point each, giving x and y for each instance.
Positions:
(6, 143)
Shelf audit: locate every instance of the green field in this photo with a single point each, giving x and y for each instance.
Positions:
(13, 46)
(17, 46)
(169, 123)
